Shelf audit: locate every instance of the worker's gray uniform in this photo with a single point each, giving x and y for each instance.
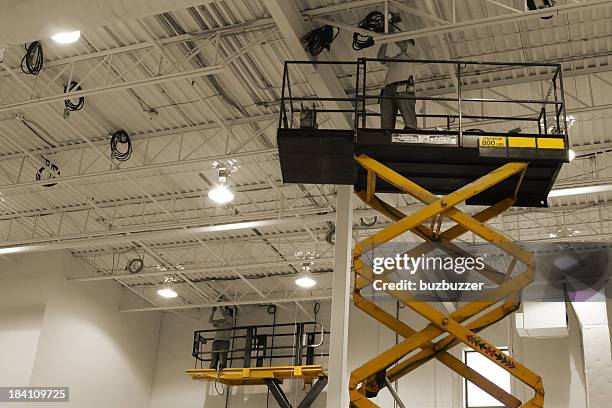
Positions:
(399, 81)
(221, 342)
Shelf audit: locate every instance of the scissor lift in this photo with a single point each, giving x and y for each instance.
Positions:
(441, 168)
(259, 345)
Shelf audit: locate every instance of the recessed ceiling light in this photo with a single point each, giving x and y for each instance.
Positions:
(67, 37)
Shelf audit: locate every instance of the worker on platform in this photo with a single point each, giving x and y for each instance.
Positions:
(399, 82)
(221, 342)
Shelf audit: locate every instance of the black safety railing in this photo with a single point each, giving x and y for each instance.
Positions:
(300, 343)
(548, 114)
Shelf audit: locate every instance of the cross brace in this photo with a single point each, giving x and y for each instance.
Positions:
(282, 400)
(500, 301)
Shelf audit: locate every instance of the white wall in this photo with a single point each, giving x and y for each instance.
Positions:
(430, 386)
(61, 333)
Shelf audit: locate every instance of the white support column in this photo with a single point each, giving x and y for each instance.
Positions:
(593, 319)
(337, 388)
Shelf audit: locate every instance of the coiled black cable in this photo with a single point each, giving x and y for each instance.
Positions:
(320, 39)
(48, 171)
(71, 106)
(374, 21)
(32, 61)
(121, 137)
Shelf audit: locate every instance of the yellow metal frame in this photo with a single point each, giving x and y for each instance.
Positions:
(257, 375)
(494, 306)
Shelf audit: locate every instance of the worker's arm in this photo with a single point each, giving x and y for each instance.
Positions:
(211, 319)
(382, 51)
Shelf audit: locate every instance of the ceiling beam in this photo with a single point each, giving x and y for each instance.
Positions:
(508, 18)
(321, 77)
(108, 275)
(215, 69)
(230, 303)
(103, 140)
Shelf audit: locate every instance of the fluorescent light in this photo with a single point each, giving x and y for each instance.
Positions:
(305, 281)
(563, 192)
(221, 194)
(167, 292)
(571, 154)
(67, 37)
(13, 250)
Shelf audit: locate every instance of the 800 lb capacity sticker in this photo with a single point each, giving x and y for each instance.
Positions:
(492, 141)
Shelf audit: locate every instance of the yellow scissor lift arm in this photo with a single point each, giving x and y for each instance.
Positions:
(389, 366)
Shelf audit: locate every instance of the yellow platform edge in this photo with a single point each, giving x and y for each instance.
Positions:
(257, 375)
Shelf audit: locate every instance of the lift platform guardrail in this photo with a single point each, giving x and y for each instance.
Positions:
(300, 342)
(549, 113)
(267, 355)
(451, 146)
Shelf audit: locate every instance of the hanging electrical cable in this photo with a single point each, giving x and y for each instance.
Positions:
(71, 106)
(375, 22)
(32, 61)
(320, 39)
(534, 5)
(121, 145)
(48, 171)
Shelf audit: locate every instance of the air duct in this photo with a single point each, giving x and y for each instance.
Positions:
(23, 21)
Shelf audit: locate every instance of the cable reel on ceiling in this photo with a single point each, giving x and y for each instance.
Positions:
(121, 145)
(368, 221)
(330, 236)
(32, 61)
(534, 5)
(48, 171)
(69, 104)
(375, 22)
(320, 39)
(134, 265)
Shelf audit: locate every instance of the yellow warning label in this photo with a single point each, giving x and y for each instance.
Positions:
(492, 141)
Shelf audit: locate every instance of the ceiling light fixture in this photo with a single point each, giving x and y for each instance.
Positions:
(221, 193)
(67, 37)
(306, 279)
(167, 291)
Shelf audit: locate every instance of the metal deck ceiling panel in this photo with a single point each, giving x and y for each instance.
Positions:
(251, 86)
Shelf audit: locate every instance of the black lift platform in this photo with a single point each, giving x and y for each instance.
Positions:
(440, 159)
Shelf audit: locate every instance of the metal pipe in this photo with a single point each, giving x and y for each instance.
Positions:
(394, 393)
